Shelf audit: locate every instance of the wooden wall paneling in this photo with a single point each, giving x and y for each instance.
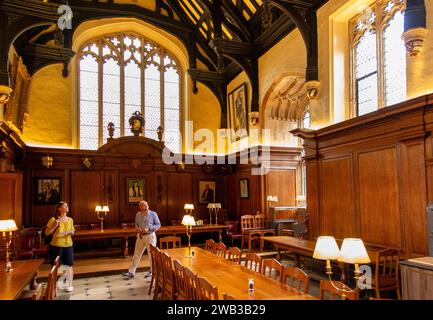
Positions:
(429, 167)
(180, 191)
(41, 213)
(337, 199)
(282, 183)
(380, 216)
(86, 193)
(111, 197)
(11, 186)
(414, 196)
(313, 199)
(159, 203)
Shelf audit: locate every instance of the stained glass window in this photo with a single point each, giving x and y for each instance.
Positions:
(121, 74)
(379, 56)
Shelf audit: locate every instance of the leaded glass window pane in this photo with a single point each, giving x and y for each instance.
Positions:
(395, 61)
(111, 98)
(152, 109)
(306, 120)
(89, 125)
(171, 109)
(132, 93)
(366, 73)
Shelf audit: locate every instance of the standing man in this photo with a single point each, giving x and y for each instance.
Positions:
(146, 223)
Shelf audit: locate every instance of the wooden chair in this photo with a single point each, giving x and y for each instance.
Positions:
(327, 287)
(175, 242)
(234, 254)
(209, 245)
(247, 226)
(206, 290)
(38, 292)
(227, 296)
(179, 277)
(25, 244)
(253, 262)
(220, 249)
(168, 288)
(296, 275)
(159, 277)
(152, 261)
(51, 290)
(260, 221)
(232, 231)
(191, 284)
(276, 269)
(386, 272)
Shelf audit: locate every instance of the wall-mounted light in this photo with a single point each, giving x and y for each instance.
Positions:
(47, 161)
(5, 93)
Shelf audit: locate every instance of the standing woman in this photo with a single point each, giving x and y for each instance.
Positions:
(61, 228)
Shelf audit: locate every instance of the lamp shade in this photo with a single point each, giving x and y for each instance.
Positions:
(270, 198)
(326, 248)
(211, 205)
(189, 206)
(188, 220)
(105, 209)
(275, 199)
(353, 251)
(218, 205)
(98, 209)
(8, 225)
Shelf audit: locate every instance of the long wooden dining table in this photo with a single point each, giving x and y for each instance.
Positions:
(303, 247)
(23, 274)
(232, 278)
(125, 233)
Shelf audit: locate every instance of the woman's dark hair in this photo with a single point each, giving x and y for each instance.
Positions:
(61, 203)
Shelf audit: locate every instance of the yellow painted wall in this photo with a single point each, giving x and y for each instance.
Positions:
(420, 68)
(288, 55)
(49, 121)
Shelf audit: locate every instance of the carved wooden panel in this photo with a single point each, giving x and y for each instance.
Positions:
(180, 189)
(379, 197)
(11, 185)
(336, 199)
(86, 194)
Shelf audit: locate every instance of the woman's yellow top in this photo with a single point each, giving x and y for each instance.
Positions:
(61, 241)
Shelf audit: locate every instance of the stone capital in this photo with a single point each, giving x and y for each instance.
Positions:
(414, 40)
(5, 93)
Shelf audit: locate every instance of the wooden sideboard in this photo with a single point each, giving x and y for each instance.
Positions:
(417, 278)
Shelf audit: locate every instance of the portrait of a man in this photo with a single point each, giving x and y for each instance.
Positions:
(207, 191)
(136, 190)
(237, 100)
(48, 191)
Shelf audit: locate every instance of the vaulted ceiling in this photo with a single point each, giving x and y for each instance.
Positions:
(226, 36)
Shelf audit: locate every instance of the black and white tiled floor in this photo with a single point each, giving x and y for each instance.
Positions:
(112, 287)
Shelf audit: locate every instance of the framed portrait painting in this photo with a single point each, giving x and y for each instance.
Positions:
(206, 191)
(136, 190)
(244, 189)
(238, 116)
(48, 190)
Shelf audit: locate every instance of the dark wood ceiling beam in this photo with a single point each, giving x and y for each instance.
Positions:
(237, 17)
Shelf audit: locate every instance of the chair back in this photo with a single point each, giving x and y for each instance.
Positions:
(253, 262)
(51, 291)
(157, 268)
(168, 290)
(272, 268)
(206, 290)
(220, 249)
(38, 293)
(335, 288)
(227, 296)
(297, 277)
(234, 254)
(179, 277)
(209, 245)
(232, 227)
(260, 221)
(299, 229)
(26, 242)
(386, 271)
(191, 284)
(169, 242)
(247, 222)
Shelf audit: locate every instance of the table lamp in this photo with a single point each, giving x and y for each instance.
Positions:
(352, 251)
(188, 221)
(217, 211)
(189, 207)
(211, 207)
(98, 211)
(7, 227)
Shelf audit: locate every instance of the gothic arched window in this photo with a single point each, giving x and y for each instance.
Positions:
(123, 73)
(378, 57)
